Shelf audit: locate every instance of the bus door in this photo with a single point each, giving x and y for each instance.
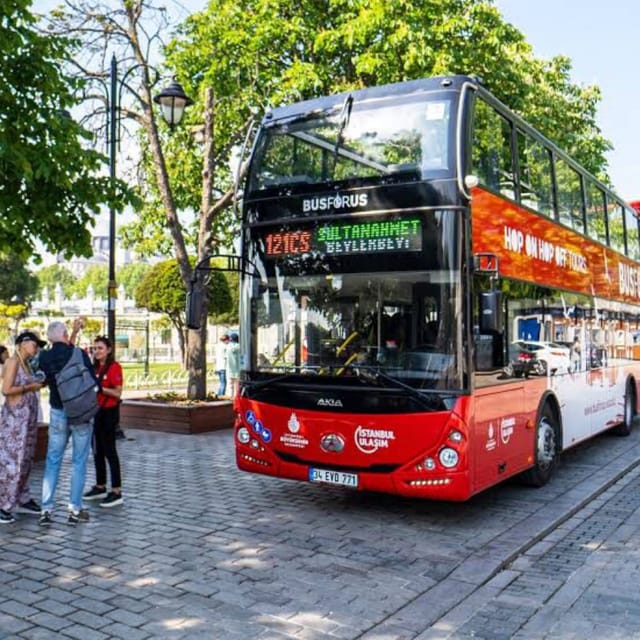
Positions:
(501, 436)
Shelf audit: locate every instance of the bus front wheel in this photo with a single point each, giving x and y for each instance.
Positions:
(546, 452)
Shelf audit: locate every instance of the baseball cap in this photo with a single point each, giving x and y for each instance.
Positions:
(29, 335)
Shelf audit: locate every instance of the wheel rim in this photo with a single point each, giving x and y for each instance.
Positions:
(546, 444)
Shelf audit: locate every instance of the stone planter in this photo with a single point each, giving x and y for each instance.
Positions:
(176, 418)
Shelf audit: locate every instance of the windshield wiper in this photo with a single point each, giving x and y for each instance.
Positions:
(256, 385)
(375, 375)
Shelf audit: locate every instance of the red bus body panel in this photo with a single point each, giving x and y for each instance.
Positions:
(497, 442)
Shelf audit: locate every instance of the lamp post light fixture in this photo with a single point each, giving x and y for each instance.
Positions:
(173, 101)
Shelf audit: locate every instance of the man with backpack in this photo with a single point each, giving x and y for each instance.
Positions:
(72, 396)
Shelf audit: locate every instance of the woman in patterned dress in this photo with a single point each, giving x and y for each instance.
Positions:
(4, 356)
(18, 428)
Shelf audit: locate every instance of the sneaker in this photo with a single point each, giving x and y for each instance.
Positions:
(95, 493)
(112, 500)
(29, 507)
(75, 517)
(6, 517)
(45, 519)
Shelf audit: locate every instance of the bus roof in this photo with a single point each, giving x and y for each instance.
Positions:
(454, 82)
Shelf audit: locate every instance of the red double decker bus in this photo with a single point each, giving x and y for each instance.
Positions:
(441, 298)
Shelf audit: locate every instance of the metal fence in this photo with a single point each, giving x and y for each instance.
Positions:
(171, 379)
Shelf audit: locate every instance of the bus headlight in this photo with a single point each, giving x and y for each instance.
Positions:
(448, 457)
(243, 435)
(429, 464)
(455, 436)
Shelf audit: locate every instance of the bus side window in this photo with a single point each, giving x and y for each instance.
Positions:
(534, 166)
(491, 158)
(569, 188)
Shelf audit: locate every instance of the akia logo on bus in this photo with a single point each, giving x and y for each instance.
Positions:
(329, 402)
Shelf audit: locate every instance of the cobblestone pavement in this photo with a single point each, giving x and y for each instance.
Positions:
(202, 550)
(578, 582)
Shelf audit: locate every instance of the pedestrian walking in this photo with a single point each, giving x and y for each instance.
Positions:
(109, 373)
(18, 428)
(233, 363)
(52, 362)
(221, 363)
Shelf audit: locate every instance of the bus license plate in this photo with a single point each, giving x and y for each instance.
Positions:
(333, 477)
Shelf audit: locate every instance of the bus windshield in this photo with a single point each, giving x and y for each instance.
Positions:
(399, 138)
(361, 309)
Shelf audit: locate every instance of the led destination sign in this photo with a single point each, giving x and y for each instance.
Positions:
(348, 238)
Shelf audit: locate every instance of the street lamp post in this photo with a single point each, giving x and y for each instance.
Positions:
(112, 131)
(173, 100)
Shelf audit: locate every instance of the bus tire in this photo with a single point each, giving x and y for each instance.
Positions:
(546, 454)
(630, 410)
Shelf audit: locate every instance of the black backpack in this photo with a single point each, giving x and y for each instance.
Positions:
(78, 390)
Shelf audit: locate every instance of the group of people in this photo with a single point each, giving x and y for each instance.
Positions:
(24, 374)
(227, 364)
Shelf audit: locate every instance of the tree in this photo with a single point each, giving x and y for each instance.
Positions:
(119, 26)
(97, 276)
(17, 283)
(52, 275)
(283, 53)
(162, 291)
(10, 317)
(50, 187)
(242, 56)
(130, 275)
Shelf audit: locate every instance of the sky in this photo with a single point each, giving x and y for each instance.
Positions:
(600, 38)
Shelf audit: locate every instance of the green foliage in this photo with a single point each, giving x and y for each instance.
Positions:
(10, 316)
(16, 284)
(50, 187)
(162, 290)
(97, 275)
(226, 312)
(53, 274)
(92, 328)
(130, 275)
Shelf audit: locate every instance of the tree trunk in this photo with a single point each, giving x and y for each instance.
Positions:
(197, 349)
(197, 339)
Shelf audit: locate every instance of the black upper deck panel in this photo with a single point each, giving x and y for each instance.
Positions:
(451, 83)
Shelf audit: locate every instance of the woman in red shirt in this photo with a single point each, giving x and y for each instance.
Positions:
(109, 372)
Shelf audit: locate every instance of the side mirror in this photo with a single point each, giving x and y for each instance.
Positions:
(193, 310)
(491, 312)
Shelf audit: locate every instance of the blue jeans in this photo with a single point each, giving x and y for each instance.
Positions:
(222, 387)
(59, 432)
